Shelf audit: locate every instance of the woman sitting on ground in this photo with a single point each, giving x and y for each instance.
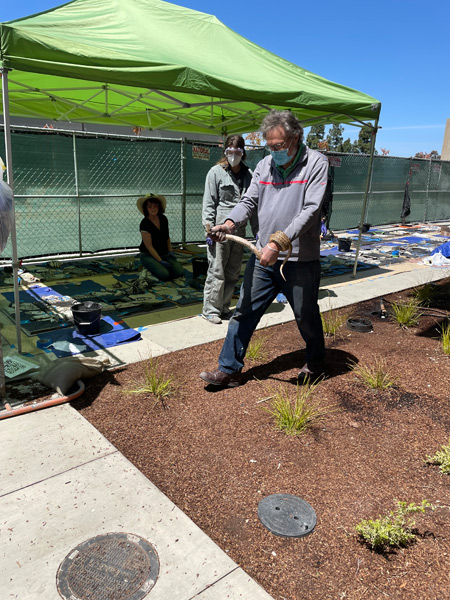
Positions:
(156, 249)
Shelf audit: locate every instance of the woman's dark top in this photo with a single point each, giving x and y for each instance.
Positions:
(160, 237)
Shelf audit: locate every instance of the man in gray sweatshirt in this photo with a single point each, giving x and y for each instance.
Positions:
(286, 193)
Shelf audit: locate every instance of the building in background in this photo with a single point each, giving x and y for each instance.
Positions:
(445, 154)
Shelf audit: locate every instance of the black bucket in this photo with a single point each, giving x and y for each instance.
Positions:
(199, 266)
(366, 227)
(86, 316)
(344, 245)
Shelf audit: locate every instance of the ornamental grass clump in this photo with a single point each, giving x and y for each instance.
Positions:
(332, 322)
(393, 530)
(155, 383)
(376, 375)
(441, 458)
(407, 315)
(425, 294)
(445, 338)
(295, 415)
(256, 349)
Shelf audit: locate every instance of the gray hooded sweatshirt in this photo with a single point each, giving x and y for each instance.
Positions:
(290, 204)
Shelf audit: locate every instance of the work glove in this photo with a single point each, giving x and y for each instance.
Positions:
(164, 263)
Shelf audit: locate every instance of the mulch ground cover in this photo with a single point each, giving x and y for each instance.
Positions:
(216, 453)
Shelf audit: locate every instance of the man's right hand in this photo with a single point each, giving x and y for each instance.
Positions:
(219, 232)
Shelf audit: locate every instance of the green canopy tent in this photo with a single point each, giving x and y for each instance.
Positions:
(155, 65)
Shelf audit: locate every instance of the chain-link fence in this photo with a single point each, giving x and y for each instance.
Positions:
(76, 193)
(428, 187)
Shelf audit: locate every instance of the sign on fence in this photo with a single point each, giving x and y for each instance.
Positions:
(200, 152)
(334, 161)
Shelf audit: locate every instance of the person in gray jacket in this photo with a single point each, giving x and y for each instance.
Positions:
(225, 183)
(286, 193)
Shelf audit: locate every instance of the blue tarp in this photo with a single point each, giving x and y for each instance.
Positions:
(444, 249)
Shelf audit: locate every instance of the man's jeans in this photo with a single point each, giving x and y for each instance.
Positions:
(260, 287)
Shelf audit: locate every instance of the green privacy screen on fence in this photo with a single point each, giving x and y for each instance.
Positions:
(77, 194)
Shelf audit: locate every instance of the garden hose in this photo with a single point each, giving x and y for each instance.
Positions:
(279, 237)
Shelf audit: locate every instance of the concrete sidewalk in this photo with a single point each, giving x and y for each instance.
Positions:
(63, 483)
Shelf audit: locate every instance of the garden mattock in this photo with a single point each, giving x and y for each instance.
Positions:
(279, 237)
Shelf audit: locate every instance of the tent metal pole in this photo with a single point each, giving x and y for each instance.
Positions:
(10, 179)
(366, 194)
(427, 202)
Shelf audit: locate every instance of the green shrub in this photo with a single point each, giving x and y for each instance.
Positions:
(441, 458)
(393, 530)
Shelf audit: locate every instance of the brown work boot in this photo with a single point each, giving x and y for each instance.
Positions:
(220, 378)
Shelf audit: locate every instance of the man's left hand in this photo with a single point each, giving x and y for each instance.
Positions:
(269, 255)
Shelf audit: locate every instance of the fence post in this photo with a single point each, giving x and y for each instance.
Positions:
(77, 192)
(183, 190)
(366, 195)
(426, 213)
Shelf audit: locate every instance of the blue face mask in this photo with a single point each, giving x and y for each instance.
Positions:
(280, 157)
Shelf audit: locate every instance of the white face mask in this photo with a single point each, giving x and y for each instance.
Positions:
(234, 159)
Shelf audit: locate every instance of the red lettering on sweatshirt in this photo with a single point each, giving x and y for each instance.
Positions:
(281, 182)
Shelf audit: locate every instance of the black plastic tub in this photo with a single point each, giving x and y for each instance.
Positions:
(86, 317)
(344, 245)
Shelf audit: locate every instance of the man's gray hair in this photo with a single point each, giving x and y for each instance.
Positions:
(285, 119)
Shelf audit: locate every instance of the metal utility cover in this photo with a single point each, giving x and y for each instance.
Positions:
(113, 566)
(286, 515)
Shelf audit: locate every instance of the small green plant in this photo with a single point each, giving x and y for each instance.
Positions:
(375, 376)
(407, 315)
(441, 458)
(256, 348)
(445, 338)
(295, 416)
(155, 383)
(332, 322)
(395, 529)
(425, 294)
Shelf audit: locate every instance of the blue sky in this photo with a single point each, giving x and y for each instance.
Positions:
(398, 51)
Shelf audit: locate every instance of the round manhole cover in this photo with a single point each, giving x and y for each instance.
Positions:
(114, 566)
(287, 515)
